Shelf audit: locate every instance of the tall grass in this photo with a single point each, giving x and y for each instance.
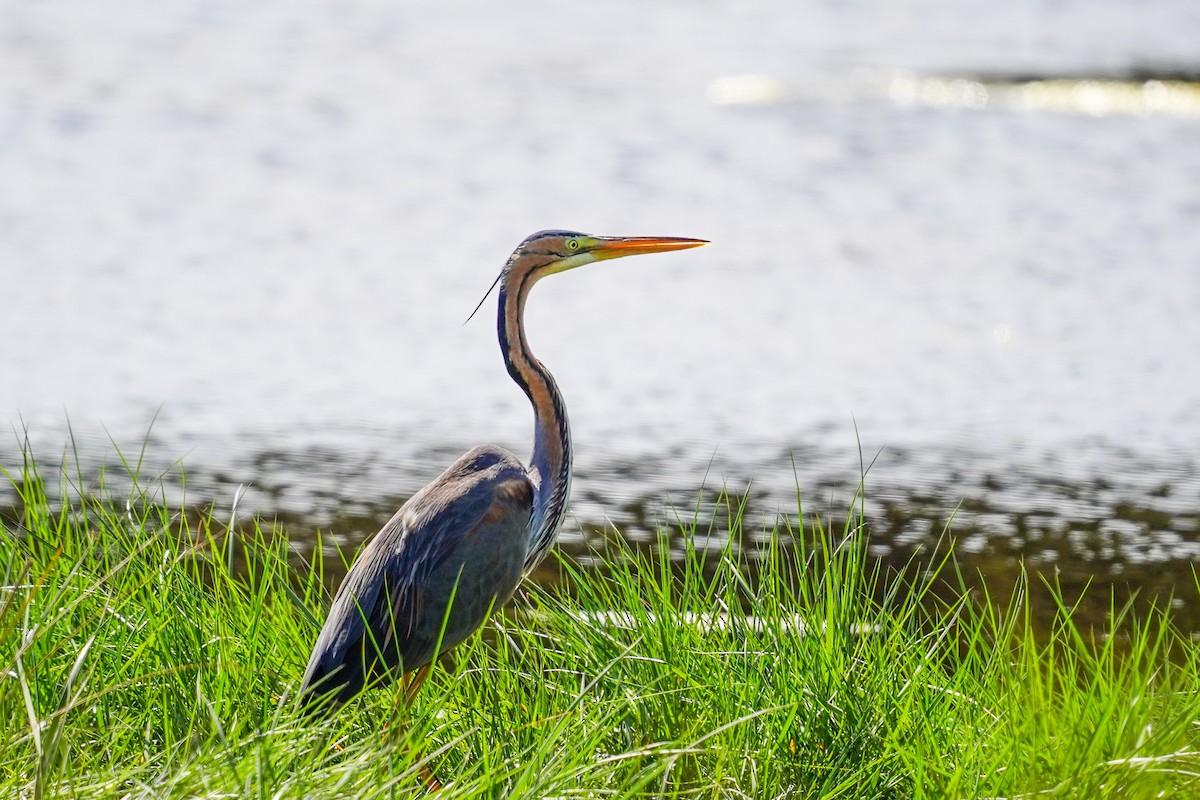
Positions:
(146, 652)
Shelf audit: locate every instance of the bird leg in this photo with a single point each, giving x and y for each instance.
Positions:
(415, 681)
(432, 784)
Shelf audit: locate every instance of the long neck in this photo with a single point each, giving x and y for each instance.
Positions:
(550, 465)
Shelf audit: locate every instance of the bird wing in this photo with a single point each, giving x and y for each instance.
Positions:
(423, 540)
(378, 606)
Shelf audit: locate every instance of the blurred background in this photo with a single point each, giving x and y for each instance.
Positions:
(957, 241)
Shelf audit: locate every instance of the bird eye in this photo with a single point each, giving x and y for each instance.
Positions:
(572, 244)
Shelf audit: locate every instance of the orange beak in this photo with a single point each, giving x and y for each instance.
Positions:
(620, 246)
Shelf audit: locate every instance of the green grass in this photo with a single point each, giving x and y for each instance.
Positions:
(144, 652)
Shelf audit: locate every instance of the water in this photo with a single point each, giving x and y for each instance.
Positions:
(262, 227)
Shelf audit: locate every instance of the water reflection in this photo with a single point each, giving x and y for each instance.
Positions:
(1171, 94)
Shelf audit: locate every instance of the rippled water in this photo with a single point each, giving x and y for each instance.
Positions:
(263, 226)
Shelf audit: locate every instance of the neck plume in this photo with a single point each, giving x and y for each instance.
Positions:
(550, 465)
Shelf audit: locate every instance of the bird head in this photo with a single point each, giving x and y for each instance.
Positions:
(549, 252)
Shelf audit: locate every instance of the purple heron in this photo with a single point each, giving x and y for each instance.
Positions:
(459, 547)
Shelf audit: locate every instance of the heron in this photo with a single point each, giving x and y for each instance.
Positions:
(460, 546)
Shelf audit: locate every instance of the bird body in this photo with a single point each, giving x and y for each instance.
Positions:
(459, 547)
(476, 512)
